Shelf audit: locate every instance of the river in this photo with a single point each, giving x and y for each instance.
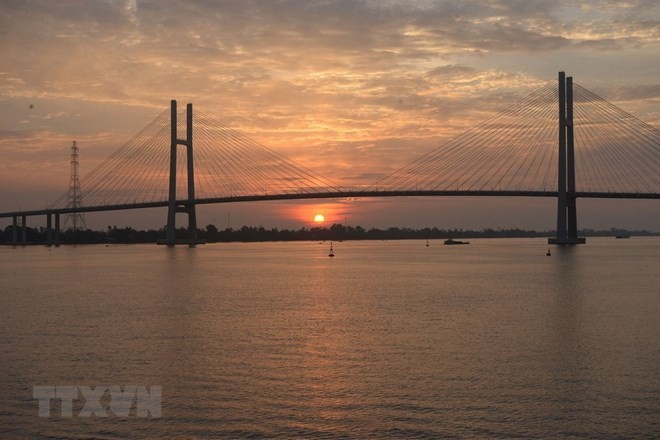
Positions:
(386, 339)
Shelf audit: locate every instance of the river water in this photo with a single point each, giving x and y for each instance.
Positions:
(388, 339)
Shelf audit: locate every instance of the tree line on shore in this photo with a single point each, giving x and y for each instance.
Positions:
(336, 232)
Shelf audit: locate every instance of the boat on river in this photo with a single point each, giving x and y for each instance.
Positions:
(452, 241)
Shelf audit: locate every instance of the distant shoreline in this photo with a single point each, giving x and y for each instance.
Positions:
(336, 232)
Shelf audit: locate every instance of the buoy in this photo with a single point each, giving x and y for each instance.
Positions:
(548, 253)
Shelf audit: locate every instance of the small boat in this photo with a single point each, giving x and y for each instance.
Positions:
(622, 236)
(332, 252)
(548, 253)
(452, 241)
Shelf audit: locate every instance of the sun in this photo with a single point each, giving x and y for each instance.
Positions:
(318, 218)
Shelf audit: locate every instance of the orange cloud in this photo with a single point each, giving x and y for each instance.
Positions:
(352, 90)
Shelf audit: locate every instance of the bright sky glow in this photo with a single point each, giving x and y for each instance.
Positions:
(352, 89)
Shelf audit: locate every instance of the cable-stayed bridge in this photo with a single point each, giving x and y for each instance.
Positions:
(561, 141)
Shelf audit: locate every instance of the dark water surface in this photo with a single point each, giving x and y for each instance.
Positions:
(388, 339)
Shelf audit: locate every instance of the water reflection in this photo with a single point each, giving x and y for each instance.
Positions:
(386, 339)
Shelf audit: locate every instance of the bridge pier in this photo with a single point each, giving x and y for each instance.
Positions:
(187, 206)
(23, 230)
(14, 231)
(57, 229)
(49, 230)
(566, 198)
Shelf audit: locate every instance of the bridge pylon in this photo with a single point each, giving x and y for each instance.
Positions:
(181, 206)
(566, 198)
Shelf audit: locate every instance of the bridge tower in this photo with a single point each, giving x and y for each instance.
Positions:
(181, 206)
(566, 199)
(74, 220)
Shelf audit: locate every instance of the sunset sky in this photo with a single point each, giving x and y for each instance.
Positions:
(348, 88)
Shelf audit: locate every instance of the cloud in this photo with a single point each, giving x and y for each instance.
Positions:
(635, 92)
(347, 87)
(132, 52)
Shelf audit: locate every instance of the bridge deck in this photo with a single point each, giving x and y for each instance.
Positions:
(330, 195)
